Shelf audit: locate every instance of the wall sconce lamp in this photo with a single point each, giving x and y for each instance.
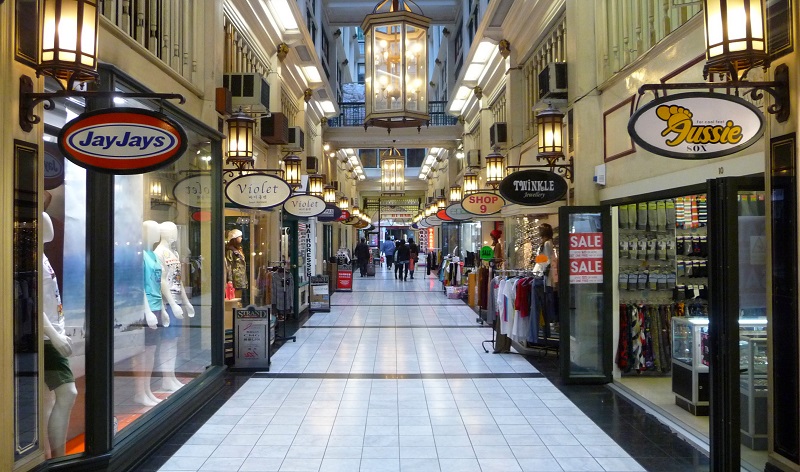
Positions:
(68, 53)
(240, 140)
(455, 193)
(329, 194)
(736, 42)
(159, 199)
(441, 201)
(550, 126)
(495, 170)
(344, 203)
(316, 185)
(291, 167)
(470, 182)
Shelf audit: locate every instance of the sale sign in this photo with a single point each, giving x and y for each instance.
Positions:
(586, 258)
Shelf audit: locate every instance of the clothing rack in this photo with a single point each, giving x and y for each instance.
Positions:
(281, 266)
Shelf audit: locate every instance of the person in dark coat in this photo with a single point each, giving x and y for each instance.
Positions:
(413, 250)
(401, 258)
(362, 255)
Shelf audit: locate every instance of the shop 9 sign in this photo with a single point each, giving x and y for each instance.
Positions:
(483, 203)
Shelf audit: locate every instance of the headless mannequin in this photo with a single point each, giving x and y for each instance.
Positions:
(143, 362)
(176, 300)
(65, 394)
(497, 247)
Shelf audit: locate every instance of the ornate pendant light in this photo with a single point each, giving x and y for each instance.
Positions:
(393, 178)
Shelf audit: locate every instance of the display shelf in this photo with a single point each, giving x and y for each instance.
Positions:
(753, 388)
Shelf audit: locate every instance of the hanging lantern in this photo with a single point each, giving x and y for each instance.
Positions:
(393, 174)
(550, 123)
(316, 185)
(455, 193)
(356, 211)
(494, 169)
(292, 164)
(470, 182)
(240, 140)
(441, 202)
(344, 203)
(329, 194)
(396, 53)
(69, 40)
(735, 36)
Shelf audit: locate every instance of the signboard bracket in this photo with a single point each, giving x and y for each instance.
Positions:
(28, 99)
(778, 88)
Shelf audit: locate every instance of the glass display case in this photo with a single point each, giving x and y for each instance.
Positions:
(690, 358)
(753, 387)
(689, 373)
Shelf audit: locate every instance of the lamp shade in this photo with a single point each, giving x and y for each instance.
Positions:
(329, 194)
(393, 174)
(356, 211)
(550, 123)
(240, 139)
(396, 54)
(455, 194)
(344, 203)
(69, 40)
(494, 169)
(316, 185)
(291, 166)
(735, 35)
(441, 202)
(470, 182)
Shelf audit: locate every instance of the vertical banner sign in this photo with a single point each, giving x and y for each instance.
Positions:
(586, 258)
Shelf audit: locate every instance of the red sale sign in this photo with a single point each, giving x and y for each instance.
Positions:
(344, 281)
(586, 258)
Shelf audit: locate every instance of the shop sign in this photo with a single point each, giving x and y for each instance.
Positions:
(487, 253)
(533, 187)
(442, 215)
(483, 203)
(53, 167)
(320, 297)
(457, 212)
(258, 191)
(360, 224)
(414, 226)
(122, 140)
(304, 206)
(330, 213)
(586, 258)
(252, 327)
(344, 280)
(696, 125)
(344, 216)
(194, 191)
(421, 224)
(201, 216)
(433, 221)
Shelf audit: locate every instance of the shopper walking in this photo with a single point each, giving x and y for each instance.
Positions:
(362, 254)
(402, 256)
(413, 251)
(388, 248)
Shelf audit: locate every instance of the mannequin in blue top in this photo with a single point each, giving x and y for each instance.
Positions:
(153, 313)
(388, 249)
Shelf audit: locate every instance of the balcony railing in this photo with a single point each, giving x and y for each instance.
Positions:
(353, 113)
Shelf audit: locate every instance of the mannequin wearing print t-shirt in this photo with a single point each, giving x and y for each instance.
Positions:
(153, 311)
(177, 303)
(57, 347)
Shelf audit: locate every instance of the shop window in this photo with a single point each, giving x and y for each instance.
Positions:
(369, 158)
(415, 157)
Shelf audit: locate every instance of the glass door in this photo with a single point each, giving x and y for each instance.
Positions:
(585, 294)
(737, 342)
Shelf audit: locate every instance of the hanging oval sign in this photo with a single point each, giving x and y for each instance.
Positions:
(201, 216)
(457, 212)
(433, 221)
(258, 191)
(53, 166)
(344, 216)
(422, 224)
(696, 125)
(360, 224)
(122, 140)
(533, 187)
(442, 215)
(194, 191)
(330, 213)
(483, 203)
(414, 226)
(304, 206)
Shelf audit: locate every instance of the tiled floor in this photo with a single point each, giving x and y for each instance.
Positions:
(394, 379)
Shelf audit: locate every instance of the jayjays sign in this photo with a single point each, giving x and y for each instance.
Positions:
(696, 125)
(122, 140)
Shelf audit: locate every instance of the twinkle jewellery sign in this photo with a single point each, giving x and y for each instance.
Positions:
(532, 187)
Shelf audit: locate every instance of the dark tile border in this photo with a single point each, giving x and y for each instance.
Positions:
(525, 375)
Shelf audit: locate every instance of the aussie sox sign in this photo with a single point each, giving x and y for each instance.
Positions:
(696, 125)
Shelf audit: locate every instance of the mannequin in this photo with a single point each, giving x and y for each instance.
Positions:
(497, 247)
(177, 304)
(236, 265)
(57, 347)
(545, 271)
(153, 310)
